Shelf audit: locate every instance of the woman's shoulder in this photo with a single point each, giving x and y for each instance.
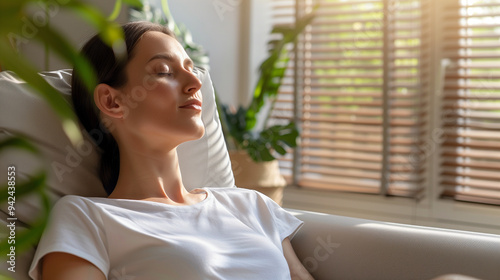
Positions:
(74, 205)
(234, 192)
(240, 197)
(70, 200)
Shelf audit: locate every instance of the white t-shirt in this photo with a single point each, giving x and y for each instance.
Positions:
(232, 234)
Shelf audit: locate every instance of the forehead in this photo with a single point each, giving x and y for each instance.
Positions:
(154, 42)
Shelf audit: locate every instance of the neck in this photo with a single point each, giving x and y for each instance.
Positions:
(147, 173)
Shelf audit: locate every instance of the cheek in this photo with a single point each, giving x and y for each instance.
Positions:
(142, 107)
(163, 95)
(153, 82)
(167, 88)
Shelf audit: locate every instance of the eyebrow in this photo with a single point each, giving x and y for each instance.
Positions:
(170, 58)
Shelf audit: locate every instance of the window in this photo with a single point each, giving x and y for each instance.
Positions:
(471, 101)
(392, 96)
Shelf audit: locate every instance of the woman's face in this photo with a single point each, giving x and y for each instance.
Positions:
(161, 96)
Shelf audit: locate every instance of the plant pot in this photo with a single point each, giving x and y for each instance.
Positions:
(264, 177)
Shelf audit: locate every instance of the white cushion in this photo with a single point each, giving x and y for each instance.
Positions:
(74, 170)
(205, 162)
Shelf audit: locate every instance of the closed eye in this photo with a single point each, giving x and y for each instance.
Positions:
(189, 65)
(164, 74)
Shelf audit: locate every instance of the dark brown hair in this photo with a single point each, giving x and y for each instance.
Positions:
(110, 70)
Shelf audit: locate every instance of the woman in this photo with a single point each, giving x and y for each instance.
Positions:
(150, 226)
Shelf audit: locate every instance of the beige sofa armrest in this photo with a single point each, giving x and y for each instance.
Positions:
(336, 247)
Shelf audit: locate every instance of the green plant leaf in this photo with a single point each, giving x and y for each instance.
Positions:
(236, 124)
(9, 11)
(170, 20)
(19, 143)
(275, 138)
(60, 45)
(278, 148)
(116, 10)
(258, 151)
(134, 3)
(36, 183)
(287, 134)
(4, 277)
(27, 238)
(30, 237)
(110, 32)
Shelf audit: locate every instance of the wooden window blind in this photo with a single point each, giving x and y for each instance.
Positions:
(360, 95)
(470, 169)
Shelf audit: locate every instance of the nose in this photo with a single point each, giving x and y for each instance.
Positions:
(193, 84)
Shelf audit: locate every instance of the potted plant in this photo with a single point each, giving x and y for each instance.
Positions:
(254, 143)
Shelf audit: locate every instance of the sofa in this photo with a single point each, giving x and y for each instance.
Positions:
(337, 247)
(329, 246)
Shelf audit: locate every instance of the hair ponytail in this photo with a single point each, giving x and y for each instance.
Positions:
(110, 164)
(110, 71)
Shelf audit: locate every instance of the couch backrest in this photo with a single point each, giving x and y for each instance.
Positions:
(344, 248)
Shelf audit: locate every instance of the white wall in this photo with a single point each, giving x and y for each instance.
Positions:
(260, 27)
(215, 25)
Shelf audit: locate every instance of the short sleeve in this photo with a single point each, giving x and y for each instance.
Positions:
(285, 223)
(75, 227)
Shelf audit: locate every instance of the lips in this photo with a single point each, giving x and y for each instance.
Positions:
(193, 104)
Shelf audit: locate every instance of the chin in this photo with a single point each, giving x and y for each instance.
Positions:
(198, 132)
(201, 132)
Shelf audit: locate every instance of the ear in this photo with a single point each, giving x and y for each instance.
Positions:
(109, 101)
